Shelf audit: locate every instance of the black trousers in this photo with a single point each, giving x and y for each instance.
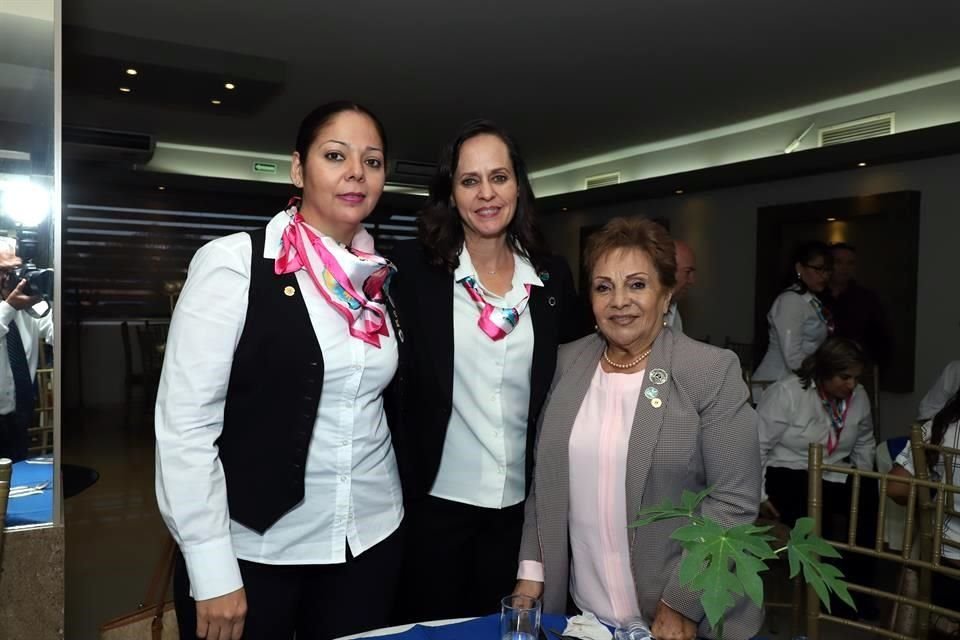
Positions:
(460, 560)
(787, 490)
(14, 439)
(313, 602)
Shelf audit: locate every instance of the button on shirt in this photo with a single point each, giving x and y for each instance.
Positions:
(31, 331)
(484, 453)
(352, 493)
(792, 417)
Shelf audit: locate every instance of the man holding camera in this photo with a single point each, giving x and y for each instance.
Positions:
(20, 334)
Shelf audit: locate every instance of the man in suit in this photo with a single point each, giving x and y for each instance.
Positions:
(20, 333)
(686, 278)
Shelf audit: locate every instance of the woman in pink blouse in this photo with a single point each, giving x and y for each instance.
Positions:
(636, 415)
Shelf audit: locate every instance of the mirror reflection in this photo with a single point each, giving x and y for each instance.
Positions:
(27, 166)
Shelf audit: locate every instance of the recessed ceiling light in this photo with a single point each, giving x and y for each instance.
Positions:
(214, 101)
(831, 219)
(678, 191)
(125, 89)
(861, 164)
(563, 208)
(229, 86)
(161, 188)
(131, 71)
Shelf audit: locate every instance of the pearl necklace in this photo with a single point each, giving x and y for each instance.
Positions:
(625, 366)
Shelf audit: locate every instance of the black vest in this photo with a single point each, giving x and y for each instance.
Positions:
(272, 398)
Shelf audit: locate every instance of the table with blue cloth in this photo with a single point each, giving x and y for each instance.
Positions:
(36, 508)
(487, 628)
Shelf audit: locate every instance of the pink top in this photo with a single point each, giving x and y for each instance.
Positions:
(601, 581)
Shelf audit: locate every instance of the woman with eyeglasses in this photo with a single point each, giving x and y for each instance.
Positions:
(798, 321)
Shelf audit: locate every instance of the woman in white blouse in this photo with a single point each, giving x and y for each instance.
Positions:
(821, 403)
(484, 307)
(798, 321)
(275, 469)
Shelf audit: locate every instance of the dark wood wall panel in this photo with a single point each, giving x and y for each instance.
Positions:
(124, 236)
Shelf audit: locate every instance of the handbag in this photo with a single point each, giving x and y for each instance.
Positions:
(155, 618)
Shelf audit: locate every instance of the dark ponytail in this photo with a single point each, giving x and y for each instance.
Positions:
(944, 418)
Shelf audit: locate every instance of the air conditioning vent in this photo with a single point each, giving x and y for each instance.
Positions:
(863, 129)
(603, 180)
(412, 173)
(100, 145)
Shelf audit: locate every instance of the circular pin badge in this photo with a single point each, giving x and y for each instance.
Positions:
(659, 376)
(552, 301)
(651, 392)
(289, 291)
(657, 403)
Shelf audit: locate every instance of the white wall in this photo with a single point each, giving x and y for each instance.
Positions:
(721, 227)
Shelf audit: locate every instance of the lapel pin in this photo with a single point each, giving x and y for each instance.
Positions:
(289, 291)
(544, 276)
(657, 403)
(651, 392)
(659, 376)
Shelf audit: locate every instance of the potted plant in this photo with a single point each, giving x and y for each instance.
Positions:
(724, 563)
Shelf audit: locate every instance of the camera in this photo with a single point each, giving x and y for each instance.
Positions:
(39, 282)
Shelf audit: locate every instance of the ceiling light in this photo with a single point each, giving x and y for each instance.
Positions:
(831, 219)
(214, 101)
(131, 71)
(125, 89)
(678, 191)
(161, 188)
(563, 208)
(861, 164)
(229, 86)
(26, 202)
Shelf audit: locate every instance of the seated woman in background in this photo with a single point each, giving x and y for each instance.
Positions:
(821, 403)
(636, 415)
(798, 321)
(943, 430)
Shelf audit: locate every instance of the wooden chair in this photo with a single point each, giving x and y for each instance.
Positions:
(927, 562)
(6, 472)
(42, 430)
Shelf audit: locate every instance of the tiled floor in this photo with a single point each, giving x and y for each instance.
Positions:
(115, 535)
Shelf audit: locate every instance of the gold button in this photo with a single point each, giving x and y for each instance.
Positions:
(289, 291)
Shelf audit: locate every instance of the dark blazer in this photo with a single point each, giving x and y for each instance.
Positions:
(423, 295)
(704, 434)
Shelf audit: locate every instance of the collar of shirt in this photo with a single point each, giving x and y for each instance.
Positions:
(523, 274)
(273, 241)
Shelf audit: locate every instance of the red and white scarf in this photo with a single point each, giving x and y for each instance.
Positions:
(352, 279)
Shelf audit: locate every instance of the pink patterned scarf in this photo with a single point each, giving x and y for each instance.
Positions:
(351, 279)
(496, 322)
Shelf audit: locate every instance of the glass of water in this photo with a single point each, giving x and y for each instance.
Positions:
(519, 618)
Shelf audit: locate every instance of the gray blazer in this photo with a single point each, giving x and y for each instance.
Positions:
(704, 434)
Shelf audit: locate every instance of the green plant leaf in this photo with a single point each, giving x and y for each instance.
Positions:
(722, 563)
(803, 551)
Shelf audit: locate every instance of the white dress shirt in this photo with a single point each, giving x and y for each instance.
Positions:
(31, 330)
(484, 452)
(791, 418)
(796, 331)
(941, 392)
(673, 318)
(352, 486)
(951, 438)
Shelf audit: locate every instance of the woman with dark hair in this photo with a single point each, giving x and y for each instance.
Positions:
(798, 321)
(275, 469)
(944, 430)
(484, 307)
(822, 402)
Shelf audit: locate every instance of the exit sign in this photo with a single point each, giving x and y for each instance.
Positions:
(264, 167)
